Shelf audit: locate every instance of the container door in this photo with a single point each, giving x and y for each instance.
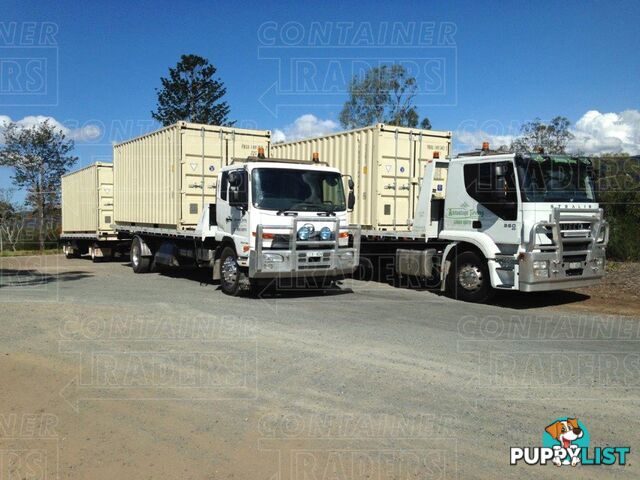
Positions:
(394, 179)
(203, 155)
(105, 198)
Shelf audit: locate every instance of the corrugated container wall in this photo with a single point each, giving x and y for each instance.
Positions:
(386, 163)
(87, 200)
(165, 178)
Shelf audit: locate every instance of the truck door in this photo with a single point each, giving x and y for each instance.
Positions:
(491, 203)
(233, 214)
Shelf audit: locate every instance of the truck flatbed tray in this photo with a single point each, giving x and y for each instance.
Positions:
(396, 234)
(162, 232)
(89, 236)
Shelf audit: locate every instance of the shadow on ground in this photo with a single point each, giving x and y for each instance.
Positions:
(33, 278)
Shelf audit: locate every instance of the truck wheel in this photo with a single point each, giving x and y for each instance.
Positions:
(72, 254)
(94, 257)
(139, 263)
(468, 279)
(230, 272)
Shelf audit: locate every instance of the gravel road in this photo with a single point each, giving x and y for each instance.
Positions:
(108, 374)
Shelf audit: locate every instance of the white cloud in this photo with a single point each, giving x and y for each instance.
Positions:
(305, 126)
(85, 133)
(594, 133)
(597, 132)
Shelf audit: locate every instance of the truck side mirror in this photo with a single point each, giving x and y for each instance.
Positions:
(351, 184)
(351, 200)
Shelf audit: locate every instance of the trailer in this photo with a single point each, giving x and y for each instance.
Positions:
(87, 214)
(488, 222)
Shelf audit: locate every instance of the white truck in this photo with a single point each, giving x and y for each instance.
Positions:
(271, 219)
(526, 222)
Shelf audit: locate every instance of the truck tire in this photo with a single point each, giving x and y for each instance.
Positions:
(230, 272)
(468, 278)
(139, 263)
(94, 257)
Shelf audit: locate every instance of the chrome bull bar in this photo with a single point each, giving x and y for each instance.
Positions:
(596, 234)
(329, 258)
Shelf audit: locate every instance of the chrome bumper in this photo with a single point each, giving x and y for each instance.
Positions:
(575, 258)
(326, 259)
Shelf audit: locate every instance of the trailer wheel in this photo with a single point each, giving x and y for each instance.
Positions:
(73, 253)
(230, 272)
(94, 257)
(468, 280)
(139, 263)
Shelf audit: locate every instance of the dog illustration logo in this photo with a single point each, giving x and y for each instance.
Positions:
(566, 434)
(566, 442)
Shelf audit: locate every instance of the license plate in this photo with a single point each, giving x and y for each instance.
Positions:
(314, 254)
(575, 265)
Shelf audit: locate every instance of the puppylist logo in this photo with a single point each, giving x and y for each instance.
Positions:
(566, 442)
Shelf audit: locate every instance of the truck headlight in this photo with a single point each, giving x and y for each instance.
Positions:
(325, 233)
(346, 256)
(541, 268)
(273, 257)
(540, 265)
(303, 233)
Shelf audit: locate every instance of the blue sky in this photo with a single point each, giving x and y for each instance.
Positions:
(484, 67)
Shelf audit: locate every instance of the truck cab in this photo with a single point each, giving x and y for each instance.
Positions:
(279, 218)
(526, 221)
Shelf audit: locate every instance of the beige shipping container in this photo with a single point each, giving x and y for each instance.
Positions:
(166, 177)
(87, 201)
(386, 163)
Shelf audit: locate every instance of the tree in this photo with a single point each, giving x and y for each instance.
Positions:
(191, 93)
(383, 95)
(39, 155)
(551, 137)
(12, 221)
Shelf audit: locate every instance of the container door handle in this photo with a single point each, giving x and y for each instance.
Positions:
(228, 219)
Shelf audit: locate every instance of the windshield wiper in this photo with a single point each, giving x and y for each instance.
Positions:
(287, 213)
(328, 213)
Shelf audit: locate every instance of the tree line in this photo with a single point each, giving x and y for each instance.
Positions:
(39, 155)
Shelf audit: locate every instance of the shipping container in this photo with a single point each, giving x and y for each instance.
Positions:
(167, 177)
(87, 201)
(386, 163)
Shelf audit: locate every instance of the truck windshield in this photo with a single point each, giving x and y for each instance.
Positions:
(555, 178)
(298, 190)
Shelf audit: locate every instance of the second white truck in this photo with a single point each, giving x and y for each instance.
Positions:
(527, 222)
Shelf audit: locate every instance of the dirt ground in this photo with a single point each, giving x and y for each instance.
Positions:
(618, 294)
(99, 378)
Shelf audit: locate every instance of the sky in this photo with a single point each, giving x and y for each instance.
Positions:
(483, 68)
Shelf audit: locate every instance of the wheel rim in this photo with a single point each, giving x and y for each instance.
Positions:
(470, 277)
(135, 255)
(229, 271)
